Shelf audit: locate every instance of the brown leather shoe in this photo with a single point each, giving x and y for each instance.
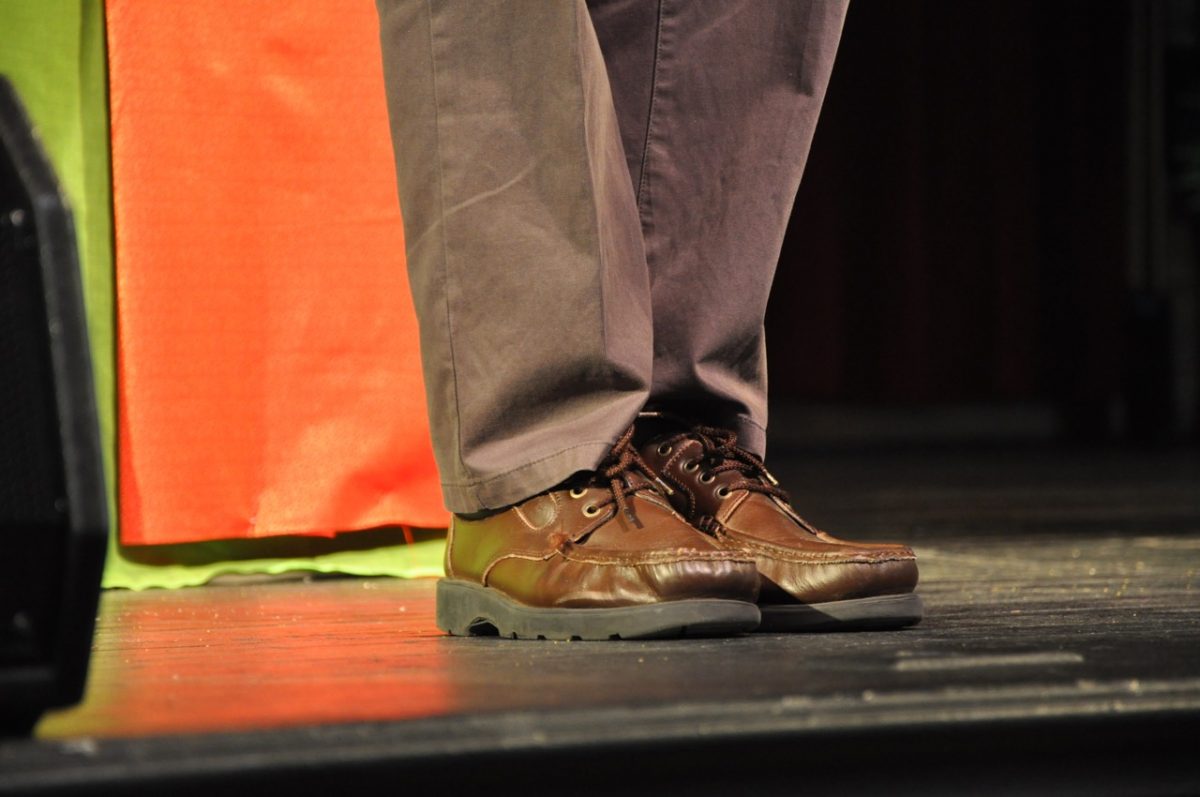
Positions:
(605, 558)
(810, 579)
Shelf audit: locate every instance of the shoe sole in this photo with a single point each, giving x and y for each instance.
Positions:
(859, 614)
(466, 609)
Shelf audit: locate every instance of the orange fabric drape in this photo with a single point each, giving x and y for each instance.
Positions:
(268, 369)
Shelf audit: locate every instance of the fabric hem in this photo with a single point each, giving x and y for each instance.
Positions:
(524, 481)
(751, 435)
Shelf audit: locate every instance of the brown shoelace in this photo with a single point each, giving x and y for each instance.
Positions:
(622, 461)
(722, 454)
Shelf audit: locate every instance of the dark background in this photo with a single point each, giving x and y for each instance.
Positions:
(998, 226)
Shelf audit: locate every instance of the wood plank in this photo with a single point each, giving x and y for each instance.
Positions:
(1042, 586)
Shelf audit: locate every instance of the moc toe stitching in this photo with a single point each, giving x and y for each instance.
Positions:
(795, 556)
(648, 558)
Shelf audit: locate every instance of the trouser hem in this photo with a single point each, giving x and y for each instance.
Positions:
(750, 435)
(525, 480)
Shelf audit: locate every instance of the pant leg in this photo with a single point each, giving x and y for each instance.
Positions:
(718, 101)
(523, 242)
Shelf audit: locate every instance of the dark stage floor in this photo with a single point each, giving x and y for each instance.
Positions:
(1060, 653)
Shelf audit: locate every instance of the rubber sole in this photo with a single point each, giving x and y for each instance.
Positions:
(860, 614)
(466, 609)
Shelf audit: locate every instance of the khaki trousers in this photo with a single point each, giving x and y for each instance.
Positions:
(594, 198)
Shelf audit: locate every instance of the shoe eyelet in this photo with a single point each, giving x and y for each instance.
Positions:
(591, 510)
(691, 465)
(706, 478)
(722, 492)
(664, 449)
(578, 492)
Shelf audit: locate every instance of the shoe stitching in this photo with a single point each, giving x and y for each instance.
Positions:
(613, 561)
(654, 499)
(791, 512)
(487, 571)
(655, 559)
(524, 519)
(798, 557)
(530, 524)
(725, 535)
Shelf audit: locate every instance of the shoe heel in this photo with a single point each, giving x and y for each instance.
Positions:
(460, 611)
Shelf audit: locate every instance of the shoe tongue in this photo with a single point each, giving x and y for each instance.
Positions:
(650, 426)
(637, 481)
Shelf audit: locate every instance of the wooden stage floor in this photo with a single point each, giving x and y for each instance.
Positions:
(1059, 653)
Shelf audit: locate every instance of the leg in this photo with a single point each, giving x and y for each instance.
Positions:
(718, 102)
(533, 298)
(524, 249)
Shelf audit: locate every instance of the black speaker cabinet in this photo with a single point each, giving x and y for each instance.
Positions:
(53, 519)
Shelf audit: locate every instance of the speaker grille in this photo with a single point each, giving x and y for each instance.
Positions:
(31, 483)
(32, 490)
(52, 515)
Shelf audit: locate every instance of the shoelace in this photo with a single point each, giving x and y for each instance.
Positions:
(722, 454)
(615, 468)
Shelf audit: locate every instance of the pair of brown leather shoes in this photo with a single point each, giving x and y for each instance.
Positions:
(685, 535)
